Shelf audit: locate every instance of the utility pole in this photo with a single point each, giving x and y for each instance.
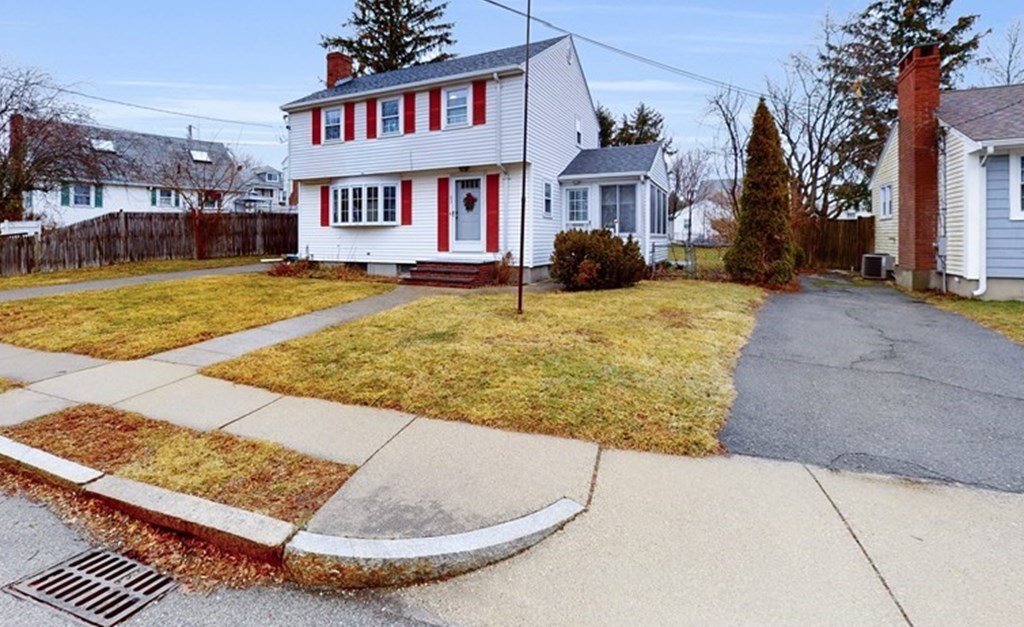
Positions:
(522, 200)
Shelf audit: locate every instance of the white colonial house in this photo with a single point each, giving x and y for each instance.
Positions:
(140, 172)
(424, 165)
(948, 191)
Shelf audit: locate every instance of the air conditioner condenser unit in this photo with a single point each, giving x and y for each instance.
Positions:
(874, 266)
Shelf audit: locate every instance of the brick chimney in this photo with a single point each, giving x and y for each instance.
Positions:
(339, 67)
(917, 91)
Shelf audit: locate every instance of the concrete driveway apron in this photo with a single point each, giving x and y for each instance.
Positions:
(869, 379)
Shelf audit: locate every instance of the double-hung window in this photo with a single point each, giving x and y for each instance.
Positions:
(658, 211)
(374, 204)
(578, 210)
(885, 202)
(548, 200)
(390, 121)
(332, 125)
(81, 195)
(618, 208)
(165, 197)
(457, 106)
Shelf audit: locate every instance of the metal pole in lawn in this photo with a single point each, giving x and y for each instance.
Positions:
(522, 200)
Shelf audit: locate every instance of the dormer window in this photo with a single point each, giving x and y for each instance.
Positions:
(200, 156)
(273, 177)
(102, 145)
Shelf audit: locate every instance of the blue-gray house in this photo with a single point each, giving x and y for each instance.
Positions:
(948, 191)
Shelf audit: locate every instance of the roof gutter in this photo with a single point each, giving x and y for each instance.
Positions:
(602, 175)
(454, 78)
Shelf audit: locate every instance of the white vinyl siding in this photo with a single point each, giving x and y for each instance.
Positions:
(955, 194)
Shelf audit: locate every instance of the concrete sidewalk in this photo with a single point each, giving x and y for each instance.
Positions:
(106, 284)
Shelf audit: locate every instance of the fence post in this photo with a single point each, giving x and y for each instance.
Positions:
(259, 233)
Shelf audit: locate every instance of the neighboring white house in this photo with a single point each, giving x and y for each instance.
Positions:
(425, 163)
(264, 191)
(140, 173)
(695, 223)
(948, 191)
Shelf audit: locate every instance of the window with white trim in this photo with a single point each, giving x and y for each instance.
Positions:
(456, 102)
(578, 205)
(390, 120)
(548, 200)
(1017, 187)
(659, 211)
(81, 195)
(332, 125)
(885, 202)
(373, 204)
(618, 208)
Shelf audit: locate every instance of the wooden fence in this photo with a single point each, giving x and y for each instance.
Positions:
(122, 237)
(835, 243)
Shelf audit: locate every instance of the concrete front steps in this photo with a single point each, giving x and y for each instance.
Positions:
(465, 275)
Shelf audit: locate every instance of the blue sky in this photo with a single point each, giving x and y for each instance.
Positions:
(241, 61)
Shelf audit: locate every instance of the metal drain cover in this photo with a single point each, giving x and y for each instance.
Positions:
(96, 587)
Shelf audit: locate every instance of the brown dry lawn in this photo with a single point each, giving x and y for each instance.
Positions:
(7, 384)
(647, 368)
(120, 271)
(136, 321)
(251, 474)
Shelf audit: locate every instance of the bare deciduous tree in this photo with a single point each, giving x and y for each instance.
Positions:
(814, 116)
(1005, 66)
(42, 140)
(728, 107)
(206, 177)
(688, 175)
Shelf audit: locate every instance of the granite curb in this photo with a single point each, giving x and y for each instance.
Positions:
(308, 558)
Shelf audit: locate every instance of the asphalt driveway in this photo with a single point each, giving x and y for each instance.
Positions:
(869, 379)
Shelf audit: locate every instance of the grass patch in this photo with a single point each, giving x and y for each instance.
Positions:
(646, 368)
(7, 384)
(710, 261)
(120, 271)
(132, 322)
(250, 474)
(1006, 317)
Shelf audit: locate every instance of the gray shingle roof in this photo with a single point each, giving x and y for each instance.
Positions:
(985, 114)
(613, 160)
(477, 63)
(147, 159)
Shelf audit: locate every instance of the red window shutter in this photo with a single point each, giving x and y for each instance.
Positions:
(442, 214)
(316, 126)
(406, 203)
(325, 205)
(371, 118)
(350, 121)
(410, 113)
(435, 109)
(493, 198)
(479, 102)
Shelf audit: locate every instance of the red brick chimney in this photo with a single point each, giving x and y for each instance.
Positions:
(339, 67)
(917, 91)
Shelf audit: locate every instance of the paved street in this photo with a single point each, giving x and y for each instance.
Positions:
(868, 379)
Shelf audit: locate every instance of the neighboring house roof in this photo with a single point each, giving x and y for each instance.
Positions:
(459, 66)
(141, 158)
(989, 113)
(614, 160)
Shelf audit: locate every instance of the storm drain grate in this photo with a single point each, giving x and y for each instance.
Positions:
(97, 587)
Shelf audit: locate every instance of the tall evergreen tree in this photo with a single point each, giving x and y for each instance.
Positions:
(393, 34)
(763, 250)
(865, 61)
(605, 125)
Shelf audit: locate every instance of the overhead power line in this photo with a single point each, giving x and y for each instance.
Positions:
(631, 55)
(164, 111)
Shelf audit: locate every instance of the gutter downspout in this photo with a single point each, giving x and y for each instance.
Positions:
(983, 249)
